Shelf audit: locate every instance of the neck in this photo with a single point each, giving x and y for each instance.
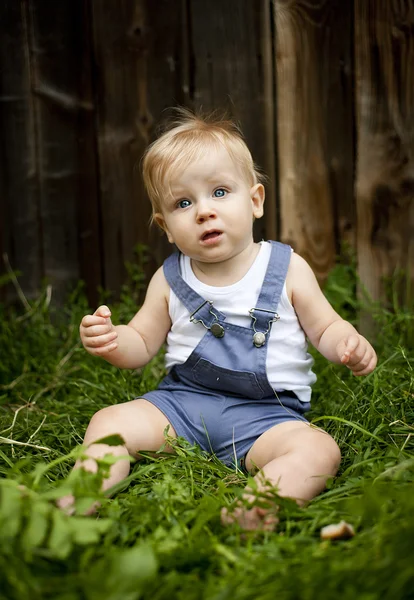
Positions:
(228, 271)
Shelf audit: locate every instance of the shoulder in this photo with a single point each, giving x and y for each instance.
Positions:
(155, 305)
(298, 275)
(298, 264)
(158, 286)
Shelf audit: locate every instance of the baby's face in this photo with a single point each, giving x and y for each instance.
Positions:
(209, 214)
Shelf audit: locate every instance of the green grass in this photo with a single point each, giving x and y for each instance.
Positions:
(160, 536)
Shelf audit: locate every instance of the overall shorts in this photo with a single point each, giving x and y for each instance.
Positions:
(220, 398)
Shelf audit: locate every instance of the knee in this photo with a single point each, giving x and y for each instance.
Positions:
(327, 455)
(104, 423)
(106, 420)
(333, 455)
(336, 454)
(324, 455)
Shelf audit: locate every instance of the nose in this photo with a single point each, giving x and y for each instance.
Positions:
(205, 212)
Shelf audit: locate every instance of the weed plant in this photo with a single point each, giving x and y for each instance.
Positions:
(159, 537)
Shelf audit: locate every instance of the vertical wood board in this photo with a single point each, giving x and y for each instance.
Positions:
(307, 216)
(90, 244)
(232, 70)
(21, 235)
(337, 81)
(166, 85)
(385, 132)
(120, 56)
(57, 65)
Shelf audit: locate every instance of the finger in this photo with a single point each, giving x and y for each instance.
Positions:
(105, 350)
(98, 330)
(361, 354)
(100, 341)
(340, 349)
(371, 366)
(102, 311)
(365, 361)
(351, 344)
(91, 320)
(360, 364)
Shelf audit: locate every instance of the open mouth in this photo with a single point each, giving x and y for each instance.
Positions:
(210, 236)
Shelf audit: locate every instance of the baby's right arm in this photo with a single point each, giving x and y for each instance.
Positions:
(130, 346)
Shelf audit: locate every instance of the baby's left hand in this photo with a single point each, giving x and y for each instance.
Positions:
(357, 354)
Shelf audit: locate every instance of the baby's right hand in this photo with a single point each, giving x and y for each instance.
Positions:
(97, 333)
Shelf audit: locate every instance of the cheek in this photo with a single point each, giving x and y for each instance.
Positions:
(176, 229)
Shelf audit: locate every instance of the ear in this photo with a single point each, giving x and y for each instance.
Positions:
(160, 221)
(257, 194)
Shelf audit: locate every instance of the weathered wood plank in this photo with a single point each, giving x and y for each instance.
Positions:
(65, 155)
(230, 46)
(306, 198)
(167, 85)
(88, 199)
(19, 185)
(122, 117)
(137, 43)
(385, 127)
(336, 58)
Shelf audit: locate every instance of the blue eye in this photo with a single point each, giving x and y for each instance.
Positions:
(183, 203)
(219, 193)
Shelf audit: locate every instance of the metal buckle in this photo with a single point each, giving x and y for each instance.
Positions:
(193, 320)
(259, 337)
(216, 329)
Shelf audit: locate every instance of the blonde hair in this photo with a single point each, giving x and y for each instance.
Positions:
(183, 142)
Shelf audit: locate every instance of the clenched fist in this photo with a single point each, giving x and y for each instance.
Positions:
(97, 333)
(357, 354)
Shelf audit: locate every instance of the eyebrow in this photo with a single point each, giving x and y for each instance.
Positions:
(221, 178)
(175, 194)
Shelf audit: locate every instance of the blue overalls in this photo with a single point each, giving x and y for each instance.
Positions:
(220, 398)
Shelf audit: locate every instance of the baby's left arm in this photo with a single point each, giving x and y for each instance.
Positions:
(333, 337)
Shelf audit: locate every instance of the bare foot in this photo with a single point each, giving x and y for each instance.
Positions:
(67, 505)
(250, 519)
(252, 512)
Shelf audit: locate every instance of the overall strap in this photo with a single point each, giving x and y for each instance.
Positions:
(264, 313)
(199, 308)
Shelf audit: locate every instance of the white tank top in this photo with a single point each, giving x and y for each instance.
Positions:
(288, 363)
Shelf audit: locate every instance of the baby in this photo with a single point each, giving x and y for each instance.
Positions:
(235, 315)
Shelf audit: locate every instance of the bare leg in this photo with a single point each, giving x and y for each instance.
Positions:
(141, 425)
(293, 457)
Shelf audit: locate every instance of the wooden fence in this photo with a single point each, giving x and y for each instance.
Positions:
(323, 89)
